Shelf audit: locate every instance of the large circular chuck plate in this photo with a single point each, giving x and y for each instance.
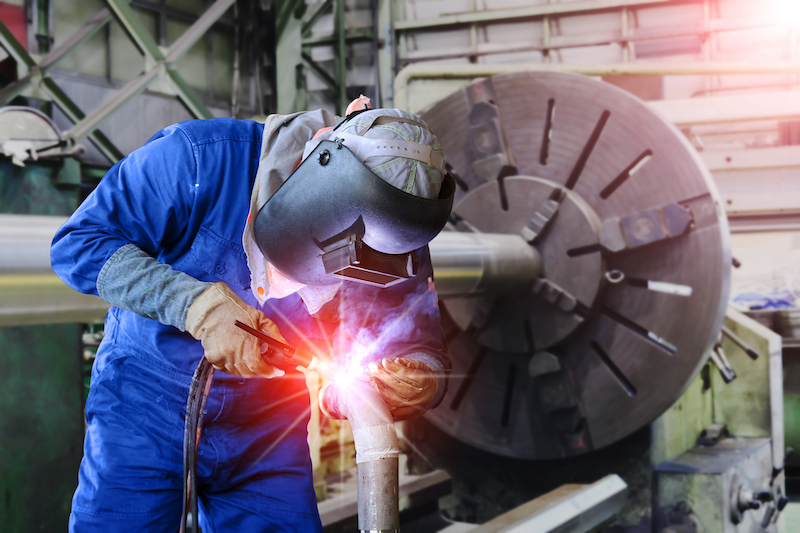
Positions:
(635, 264)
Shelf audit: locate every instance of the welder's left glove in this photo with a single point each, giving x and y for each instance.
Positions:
(407, 385)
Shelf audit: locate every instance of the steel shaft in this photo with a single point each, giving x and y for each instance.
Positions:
(480, 263)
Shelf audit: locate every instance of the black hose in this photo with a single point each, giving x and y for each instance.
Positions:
(193, 426)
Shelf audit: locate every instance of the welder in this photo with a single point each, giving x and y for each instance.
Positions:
(222, 220)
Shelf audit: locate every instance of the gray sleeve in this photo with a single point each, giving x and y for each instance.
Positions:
(133, 280)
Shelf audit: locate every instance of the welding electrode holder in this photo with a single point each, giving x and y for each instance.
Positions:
(295, 356)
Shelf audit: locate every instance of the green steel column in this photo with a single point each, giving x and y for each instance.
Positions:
(287, 58)
(340, 55)
(41, 385)
(41, 426)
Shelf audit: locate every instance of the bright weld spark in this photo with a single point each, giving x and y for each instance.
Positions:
(346, 375)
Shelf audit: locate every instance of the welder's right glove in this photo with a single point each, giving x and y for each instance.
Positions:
(133, 280)
(210, 319)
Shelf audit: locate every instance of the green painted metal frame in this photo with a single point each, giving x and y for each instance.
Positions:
(337, 81)
(41, 386)
(161, 64)
(38, 78)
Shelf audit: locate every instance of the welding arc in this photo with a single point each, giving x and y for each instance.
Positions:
(193, 429)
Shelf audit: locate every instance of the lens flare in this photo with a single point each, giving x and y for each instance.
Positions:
(786, 11)
(326, 369)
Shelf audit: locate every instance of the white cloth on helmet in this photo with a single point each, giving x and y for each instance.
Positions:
(409, 174)
(281, 152)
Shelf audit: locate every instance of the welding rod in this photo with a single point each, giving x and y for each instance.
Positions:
(296, 356)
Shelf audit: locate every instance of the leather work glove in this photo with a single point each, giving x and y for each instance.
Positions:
(210, 319)
(406, 385)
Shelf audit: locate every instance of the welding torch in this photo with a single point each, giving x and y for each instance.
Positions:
(295, 355)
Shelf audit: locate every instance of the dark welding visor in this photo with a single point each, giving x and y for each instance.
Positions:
(334, 219)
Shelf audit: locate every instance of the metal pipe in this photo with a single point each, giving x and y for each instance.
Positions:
(30, 292)
(465, 263)
(25, 243)
(471, 71)
(376, 451)
(473, 263)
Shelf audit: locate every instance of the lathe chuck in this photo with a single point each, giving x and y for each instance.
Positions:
(631, 274)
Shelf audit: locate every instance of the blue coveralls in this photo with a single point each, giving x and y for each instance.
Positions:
(184, 198)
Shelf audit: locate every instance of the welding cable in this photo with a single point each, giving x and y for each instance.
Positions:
(201, 382)
(193, 427)
(188, 441)
(200, 408)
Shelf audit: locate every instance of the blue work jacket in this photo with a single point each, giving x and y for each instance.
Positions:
(183, 198)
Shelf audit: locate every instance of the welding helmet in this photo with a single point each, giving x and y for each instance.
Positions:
(367, 194)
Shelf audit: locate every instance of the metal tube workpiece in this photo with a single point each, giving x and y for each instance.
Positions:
(376, 451)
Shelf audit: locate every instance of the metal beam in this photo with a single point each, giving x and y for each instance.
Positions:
(320, 73)
(13, 48)
(315, 13)
(556, 42)
(12, 90)
(94, 24)
(731, 108)
(75, 114)
(361, 36)
(753, 158)
(171, 12)
(64, 102)
(496, 15)
(132, 88)
(567, 508)
(285, 11)
(101, 113)
(16, 88)
(198, 29)
(187, 96)
(135, 29)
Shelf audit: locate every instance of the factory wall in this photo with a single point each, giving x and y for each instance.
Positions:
(668, 32)
(662, 31)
